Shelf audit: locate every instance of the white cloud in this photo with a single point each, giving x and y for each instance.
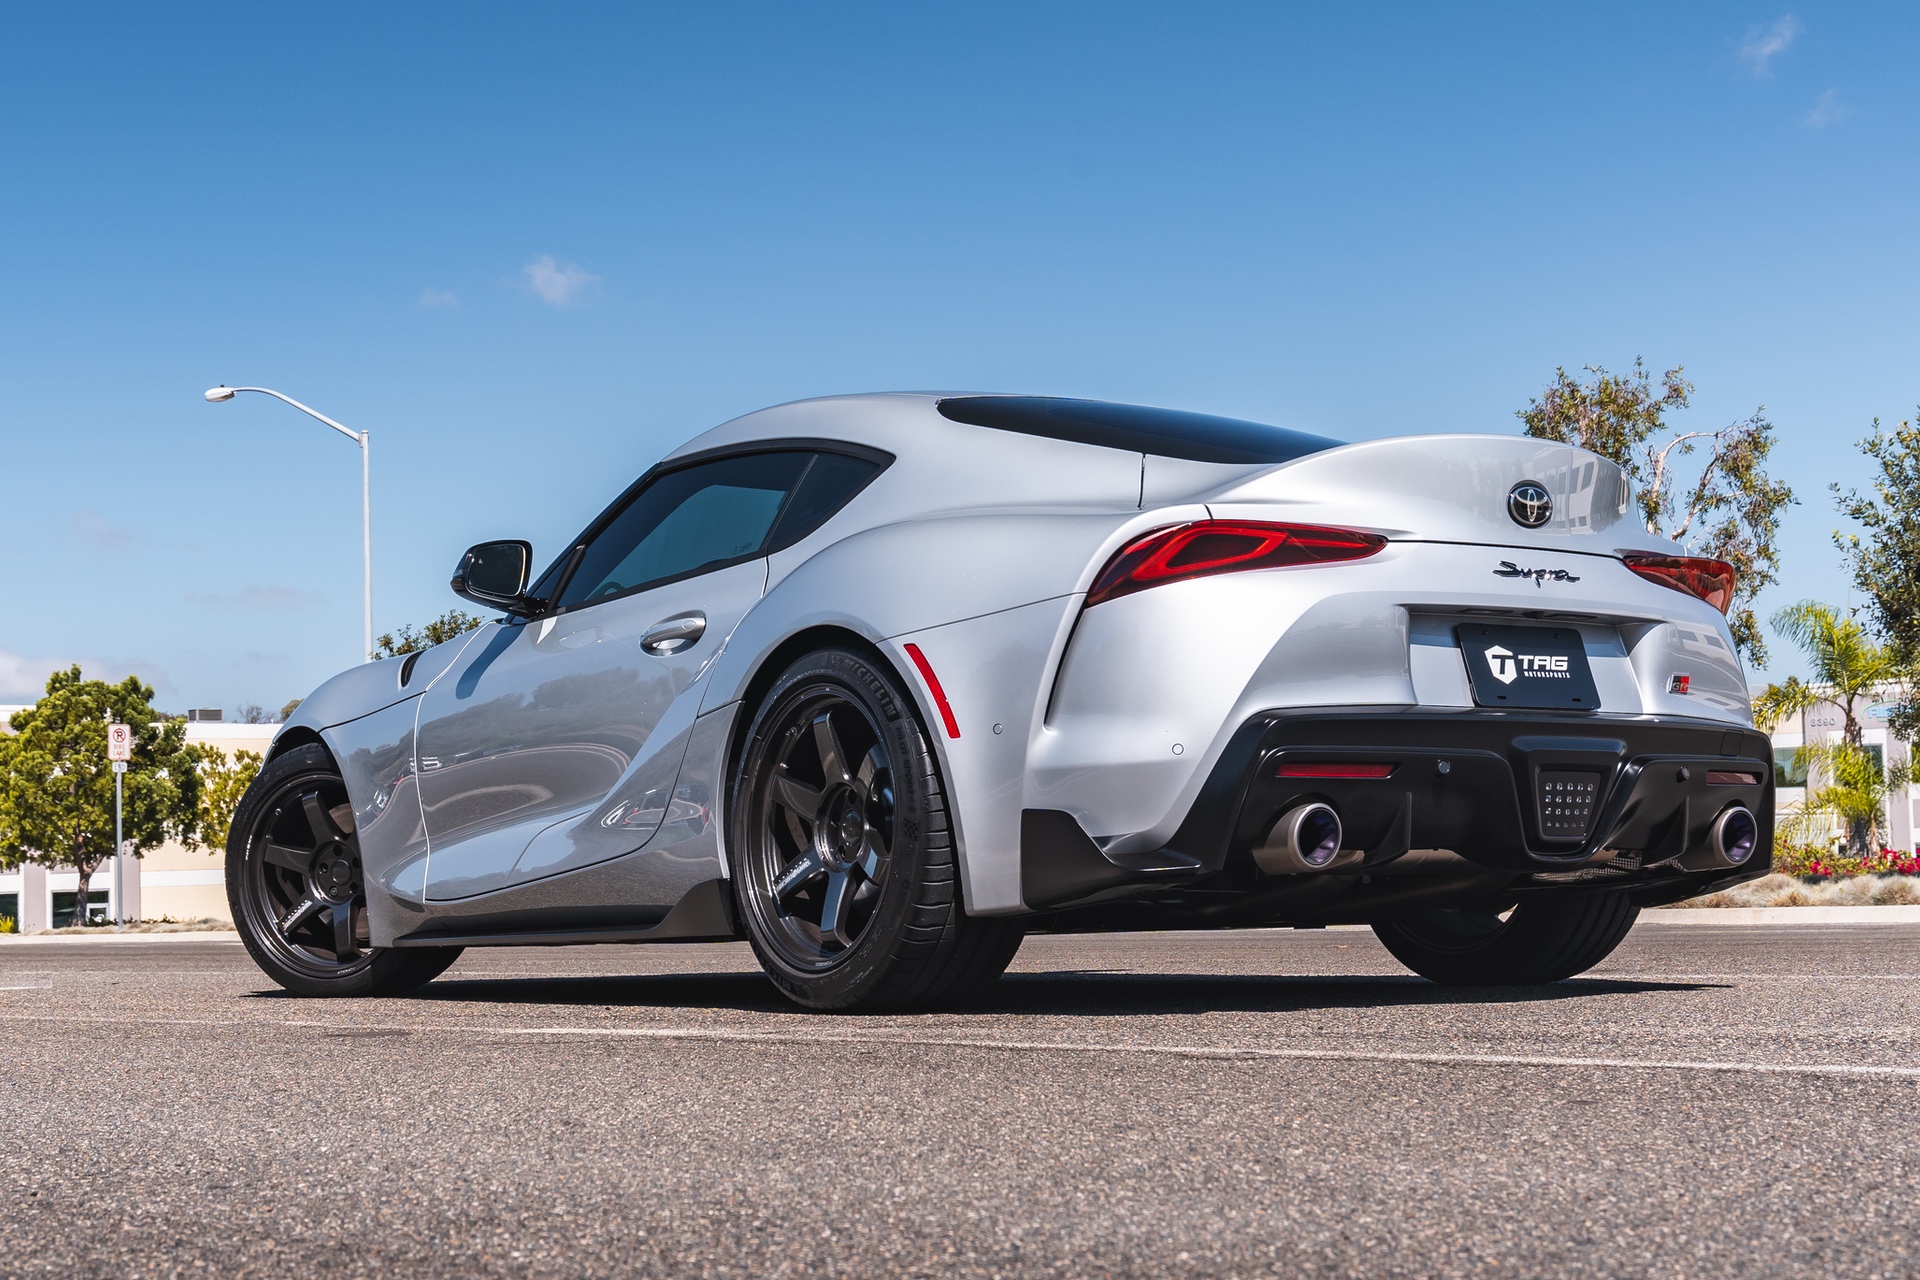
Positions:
(558, 283)
(1764, 44)
(92, 528)
(24, 679)
(1828, 110)
(437, 299)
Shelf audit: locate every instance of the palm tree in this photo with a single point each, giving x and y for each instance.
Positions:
(1854, 788)
(1849, 667)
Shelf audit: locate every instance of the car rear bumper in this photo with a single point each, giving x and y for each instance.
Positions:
(1480, 785)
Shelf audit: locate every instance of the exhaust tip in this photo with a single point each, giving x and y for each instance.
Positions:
(1306, 838)
(1736, 834)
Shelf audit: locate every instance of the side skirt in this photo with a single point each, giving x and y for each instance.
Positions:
(703, 914)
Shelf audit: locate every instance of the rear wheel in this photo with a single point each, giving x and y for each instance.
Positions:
(1541, 940)
(845, 870)
(295, 888)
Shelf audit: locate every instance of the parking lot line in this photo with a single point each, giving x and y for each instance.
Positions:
(1201, 1051)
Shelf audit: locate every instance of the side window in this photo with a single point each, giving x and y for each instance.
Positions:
(698, 518)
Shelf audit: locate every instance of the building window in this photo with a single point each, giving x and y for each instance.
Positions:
(1787, 773)
(10, 909)
(63, 907)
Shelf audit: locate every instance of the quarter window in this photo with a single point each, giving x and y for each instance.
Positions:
(830, 484)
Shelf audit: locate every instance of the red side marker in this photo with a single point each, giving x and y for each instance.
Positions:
(933, 683)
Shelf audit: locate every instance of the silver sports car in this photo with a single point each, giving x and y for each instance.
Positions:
(881, 683)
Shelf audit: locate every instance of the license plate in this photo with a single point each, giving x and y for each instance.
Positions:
(1540, 667)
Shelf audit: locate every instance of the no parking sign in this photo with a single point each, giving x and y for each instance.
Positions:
(119, 742)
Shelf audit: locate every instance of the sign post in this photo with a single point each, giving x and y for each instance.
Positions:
(119, 750)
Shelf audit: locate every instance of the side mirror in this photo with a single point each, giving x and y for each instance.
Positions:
(494, 575)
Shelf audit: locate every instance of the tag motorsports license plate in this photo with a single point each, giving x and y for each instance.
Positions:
(1538, 667)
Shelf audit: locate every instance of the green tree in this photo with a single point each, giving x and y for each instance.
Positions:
(453, 622)
(1730, 510)
(223, 781)
(1849, 669)
(1886, 561)
(56, 784)
(1853, 786)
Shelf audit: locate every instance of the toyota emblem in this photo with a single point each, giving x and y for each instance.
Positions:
(1530, 504)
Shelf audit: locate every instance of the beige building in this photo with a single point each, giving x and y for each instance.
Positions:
(1823, 723)
(171, 882)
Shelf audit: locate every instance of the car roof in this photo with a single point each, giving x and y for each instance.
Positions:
(893, 421)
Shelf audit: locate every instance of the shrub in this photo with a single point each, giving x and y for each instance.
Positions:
(1821, 862)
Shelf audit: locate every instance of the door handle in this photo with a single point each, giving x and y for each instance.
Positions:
(664, 639)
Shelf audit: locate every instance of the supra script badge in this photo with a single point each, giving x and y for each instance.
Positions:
(1508, 569)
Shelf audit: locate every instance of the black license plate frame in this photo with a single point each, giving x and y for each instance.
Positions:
(1535, 668)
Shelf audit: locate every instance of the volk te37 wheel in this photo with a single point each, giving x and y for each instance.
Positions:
(829, 818)
(844, 862)
(295, 887)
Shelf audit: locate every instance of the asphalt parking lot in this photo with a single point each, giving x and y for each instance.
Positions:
(1714, 1101)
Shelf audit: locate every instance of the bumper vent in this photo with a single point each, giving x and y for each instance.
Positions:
(1566, 800)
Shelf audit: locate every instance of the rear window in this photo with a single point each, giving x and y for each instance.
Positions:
(1166, 433)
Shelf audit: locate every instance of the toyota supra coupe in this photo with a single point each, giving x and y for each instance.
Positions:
(881, 683)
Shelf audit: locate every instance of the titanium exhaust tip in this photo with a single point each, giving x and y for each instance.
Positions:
(1307, 838)
(1734, 835)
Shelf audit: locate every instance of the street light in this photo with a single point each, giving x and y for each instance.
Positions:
(219, 394)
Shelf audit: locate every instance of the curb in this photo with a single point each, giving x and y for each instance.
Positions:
(1903, 914)
(89, 939)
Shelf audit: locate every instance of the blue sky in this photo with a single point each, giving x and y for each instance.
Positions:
(531, 248)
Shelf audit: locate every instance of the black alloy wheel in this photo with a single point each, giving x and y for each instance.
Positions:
(295, 886)
(829, 819)
(845, 869)
(1543, 939)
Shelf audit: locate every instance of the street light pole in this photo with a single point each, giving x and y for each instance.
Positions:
(218, 394)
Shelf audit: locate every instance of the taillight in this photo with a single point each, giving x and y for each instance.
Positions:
(1207, 547)
(1711, 580)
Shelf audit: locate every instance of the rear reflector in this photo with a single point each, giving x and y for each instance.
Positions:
(1710, 580)
(1207, 547)
(933, 687)
(1731, 778)
(1333, 769)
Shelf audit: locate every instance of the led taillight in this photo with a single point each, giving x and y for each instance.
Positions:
(1207, 547)
(1710, 580)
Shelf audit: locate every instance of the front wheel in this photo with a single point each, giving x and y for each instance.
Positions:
(295, 888)
(844, 865)
(1541, 940)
